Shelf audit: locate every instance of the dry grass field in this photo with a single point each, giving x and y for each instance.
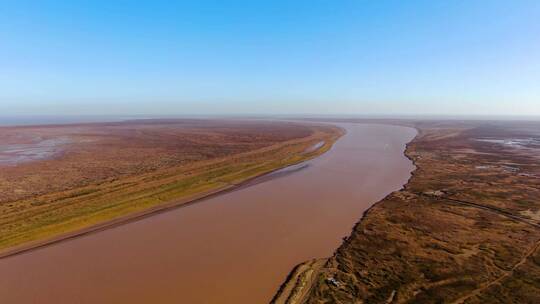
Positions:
(58, 180)
(465, 229)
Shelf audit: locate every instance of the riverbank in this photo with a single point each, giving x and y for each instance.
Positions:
(53, 217)
(136, 216)
(463, 229)
(301, 280)
(231, 248)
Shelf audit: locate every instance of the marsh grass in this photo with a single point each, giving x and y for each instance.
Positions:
(52, 215)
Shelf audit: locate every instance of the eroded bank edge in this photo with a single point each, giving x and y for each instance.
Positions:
(300, 279)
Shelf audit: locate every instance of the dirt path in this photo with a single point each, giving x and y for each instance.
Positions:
(499, 211)
(500, 278)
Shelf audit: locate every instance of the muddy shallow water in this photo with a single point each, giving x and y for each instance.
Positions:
(13, 154)
(234, 248)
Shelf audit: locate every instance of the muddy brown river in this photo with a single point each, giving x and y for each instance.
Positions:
(233, 248)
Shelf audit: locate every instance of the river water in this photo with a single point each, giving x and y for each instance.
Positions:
(233, 248)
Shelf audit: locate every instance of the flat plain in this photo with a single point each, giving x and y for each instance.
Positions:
(57, 181)
(465, 229)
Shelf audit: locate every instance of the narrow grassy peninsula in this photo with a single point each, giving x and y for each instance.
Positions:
(104, 174)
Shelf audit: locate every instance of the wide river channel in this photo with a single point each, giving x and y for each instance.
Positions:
(237, 247)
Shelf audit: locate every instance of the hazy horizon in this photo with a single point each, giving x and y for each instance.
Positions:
(28, 120)
(378, 58)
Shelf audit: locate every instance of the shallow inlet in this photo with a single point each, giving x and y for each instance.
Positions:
(234, 248)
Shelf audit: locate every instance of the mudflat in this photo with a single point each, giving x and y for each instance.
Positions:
(233, 248)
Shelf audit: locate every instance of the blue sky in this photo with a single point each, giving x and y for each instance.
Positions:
(270, 57)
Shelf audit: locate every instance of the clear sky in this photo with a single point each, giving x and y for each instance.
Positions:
(270, 57)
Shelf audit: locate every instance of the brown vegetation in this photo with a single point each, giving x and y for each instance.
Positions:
(464, 230)
(98, 173)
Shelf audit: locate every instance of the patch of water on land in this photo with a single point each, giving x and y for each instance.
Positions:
(16, 153)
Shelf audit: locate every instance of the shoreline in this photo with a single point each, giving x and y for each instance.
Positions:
(294, 277)
(166, 207)
(443, 237)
